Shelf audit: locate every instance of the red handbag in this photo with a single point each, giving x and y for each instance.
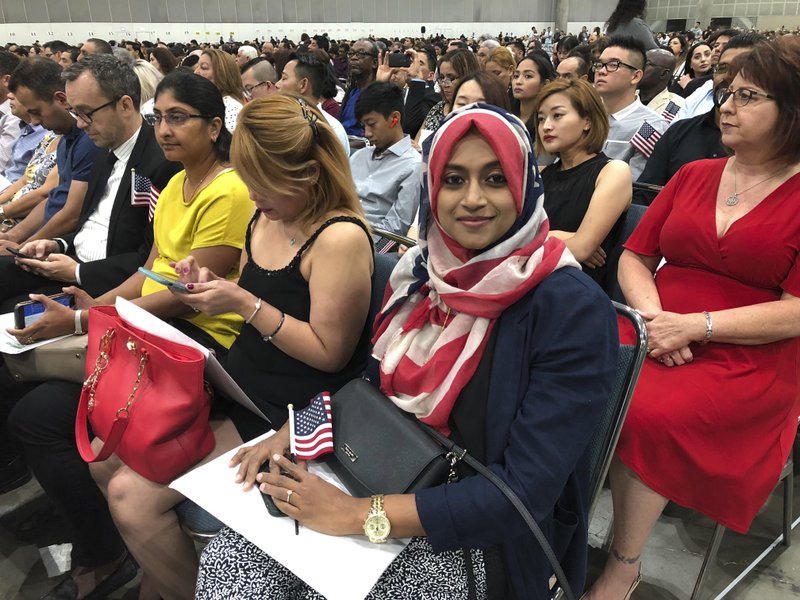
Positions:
(145, 397)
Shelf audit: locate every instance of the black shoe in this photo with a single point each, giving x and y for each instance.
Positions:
(13, 474)
(68, 589)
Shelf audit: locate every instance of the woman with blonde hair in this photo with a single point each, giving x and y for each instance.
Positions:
(149, 78)
(220, 68)
(501, 64)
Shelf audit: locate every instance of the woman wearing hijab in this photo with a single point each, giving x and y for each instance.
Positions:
(493, 335)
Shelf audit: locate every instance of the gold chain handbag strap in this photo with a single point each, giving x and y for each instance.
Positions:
(125, 410)
(100, 365)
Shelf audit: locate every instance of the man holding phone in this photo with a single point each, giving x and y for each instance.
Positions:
(403, 70)
(113, 236)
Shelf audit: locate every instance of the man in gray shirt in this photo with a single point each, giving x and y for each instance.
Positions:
(634, 129)
(388, 173)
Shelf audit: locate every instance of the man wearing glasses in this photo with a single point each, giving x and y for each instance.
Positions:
(259, 78)
(111, 237)
(653, 90)
(634, 129)
(40, 89)
(362, 60)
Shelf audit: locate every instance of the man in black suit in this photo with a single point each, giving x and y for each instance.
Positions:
(114, 232)
(418, 96)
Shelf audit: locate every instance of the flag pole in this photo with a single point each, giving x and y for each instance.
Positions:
(292, 452)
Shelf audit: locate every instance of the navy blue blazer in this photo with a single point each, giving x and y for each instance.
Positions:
(551, 375)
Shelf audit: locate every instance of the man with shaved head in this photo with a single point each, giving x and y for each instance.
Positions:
(653, 90)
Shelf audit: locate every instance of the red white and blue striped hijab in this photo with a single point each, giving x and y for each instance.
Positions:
(427, 356)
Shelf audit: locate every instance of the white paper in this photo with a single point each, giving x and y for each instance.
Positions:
(10, 345)
(140, 318)
(4, 183)
(339, 568)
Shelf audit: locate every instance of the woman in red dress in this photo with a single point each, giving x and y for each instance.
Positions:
(716, 409)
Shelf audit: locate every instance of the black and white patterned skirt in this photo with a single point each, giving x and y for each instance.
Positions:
(231, 567)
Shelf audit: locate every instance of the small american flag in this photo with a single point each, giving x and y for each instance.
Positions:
(645, 139)
(670, 111)
(310, 429)
(144, 193)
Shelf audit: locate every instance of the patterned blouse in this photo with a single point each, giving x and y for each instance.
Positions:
(42, 161)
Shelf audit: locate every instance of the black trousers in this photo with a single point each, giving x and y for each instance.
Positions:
(16, 284)
(42, 422)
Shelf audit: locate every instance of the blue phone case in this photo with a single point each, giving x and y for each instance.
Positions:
(173, 284)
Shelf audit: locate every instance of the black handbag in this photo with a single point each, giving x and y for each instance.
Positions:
(381, 449)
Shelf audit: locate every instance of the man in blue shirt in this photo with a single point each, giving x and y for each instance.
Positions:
(40, 89)
(363, 62)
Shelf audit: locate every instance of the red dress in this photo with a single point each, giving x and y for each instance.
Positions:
(713, 435)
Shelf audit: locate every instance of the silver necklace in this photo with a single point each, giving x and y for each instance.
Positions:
(733, 200)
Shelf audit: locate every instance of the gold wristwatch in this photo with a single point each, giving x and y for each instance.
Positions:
(377, 526)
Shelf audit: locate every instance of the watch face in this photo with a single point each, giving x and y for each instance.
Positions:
(377, 528)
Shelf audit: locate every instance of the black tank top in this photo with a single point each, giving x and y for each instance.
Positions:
(567, 194)
(269, 377)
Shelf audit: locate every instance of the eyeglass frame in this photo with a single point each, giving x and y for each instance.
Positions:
(450, 80)
(597, 65)
(249, 92)
(155, 119)
(727, 92)
(86, 116)
(361, 54)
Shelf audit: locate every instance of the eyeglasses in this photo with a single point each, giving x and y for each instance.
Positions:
(86, 116)
(360, 54)
(720, 68)
(655, 66)
(248, 89)
(447, 79)
(174, 119)
(612, 65)
(741, 97)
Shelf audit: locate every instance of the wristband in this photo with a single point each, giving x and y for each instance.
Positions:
(78, 327)
(709, 327)
(268, 338)
(255, 312)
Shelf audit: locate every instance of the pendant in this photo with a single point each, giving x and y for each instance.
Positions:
(732, 200)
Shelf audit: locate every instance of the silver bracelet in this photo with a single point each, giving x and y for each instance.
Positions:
(709, 326)
(255, 312)
(78, 326)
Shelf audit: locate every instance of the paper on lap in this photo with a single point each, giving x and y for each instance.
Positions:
(339, 568)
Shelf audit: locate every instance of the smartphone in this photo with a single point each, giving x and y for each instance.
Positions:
(268, 501)
(19, 254)
(398, 60)
(171, 283)
(27, 313)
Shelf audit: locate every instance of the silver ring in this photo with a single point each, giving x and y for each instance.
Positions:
(195, 309)
(289, 496)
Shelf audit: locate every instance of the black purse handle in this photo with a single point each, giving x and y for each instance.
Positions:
(501, 485)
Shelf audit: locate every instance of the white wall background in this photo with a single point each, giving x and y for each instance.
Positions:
(73, 33)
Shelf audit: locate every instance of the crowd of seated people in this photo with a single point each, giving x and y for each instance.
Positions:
(513, 160)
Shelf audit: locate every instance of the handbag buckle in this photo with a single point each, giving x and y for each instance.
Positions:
(349, 453)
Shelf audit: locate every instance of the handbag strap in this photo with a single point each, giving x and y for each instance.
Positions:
(454, 449)
(87, 403)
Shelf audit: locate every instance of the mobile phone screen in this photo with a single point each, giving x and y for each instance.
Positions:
(27, 313)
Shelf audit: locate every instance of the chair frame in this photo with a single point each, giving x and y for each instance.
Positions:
(634, 369)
